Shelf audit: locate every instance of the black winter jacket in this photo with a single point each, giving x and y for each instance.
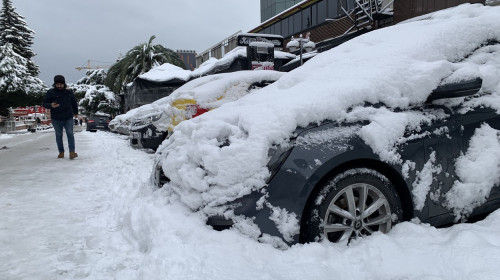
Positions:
(67, 104)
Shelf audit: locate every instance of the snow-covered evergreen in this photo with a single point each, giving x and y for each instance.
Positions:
(14, 30)
(93, 77)
(12, 70)
(18, 73)
(97, 96)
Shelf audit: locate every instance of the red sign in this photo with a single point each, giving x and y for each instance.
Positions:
(24, 111)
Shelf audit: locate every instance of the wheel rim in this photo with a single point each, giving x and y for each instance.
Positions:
(357, 210)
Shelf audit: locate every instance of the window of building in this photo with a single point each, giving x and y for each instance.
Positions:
(297, 22)
(306, 18)
(284, 28)
(314, 14)
(281, 6)
(277, 28)
(332, 8)
(272, 29)
(350, 4)
(322, 12)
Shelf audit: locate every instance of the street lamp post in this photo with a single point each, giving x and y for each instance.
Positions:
(301, 44)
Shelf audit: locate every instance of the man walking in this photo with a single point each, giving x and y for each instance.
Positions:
(63, 107)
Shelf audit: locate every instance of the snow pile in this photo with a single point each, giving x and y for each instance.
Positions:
(397, 67)
(475, 172)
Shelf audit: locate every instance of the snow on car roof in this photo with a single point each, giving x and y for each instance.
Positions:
(397, 66)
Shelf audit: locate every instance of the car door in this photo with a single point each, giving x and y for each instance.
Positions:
(442, 147)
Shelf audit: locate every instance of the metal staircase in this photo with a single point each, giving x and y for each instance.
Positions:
(366, 12)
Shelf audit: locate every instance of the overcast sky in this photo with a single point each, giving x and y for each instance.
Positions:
(70, 32)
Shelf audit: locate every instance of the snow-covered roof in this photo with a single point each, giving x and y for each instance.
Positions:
(212, 63)
(166, 72)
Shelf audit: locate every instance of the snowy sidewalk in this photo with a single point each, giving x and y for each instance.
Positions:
(97, 217)
(50, 208)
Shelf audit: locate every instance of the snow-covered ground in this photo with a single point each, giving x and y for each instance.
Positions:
(99, 217)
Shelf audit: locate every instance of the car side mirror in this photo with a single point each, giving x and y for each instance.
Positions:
(458, 89)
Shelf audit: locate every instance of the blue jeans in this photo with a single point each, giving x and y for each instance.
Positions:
(58, 128)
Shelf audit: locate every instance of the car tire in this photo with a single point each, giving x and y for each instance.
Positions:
(353, 204)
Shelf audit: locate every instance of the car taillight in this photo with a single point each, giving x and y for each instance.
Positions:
(91, 121)
(196, 110)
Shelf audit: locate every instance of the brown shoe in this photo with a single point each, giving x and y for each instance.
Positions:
(61, 155)
(72, 155)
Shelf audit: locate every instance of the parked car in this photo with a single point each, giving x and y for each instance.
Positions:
(119, 126)
(194, 98)
(382, 129)
(121, 123)
(144, 132)
(98, 122)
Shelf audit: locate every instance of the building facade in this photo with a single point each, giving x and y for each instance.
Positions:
(188, 57)
(270, 8)
(330, 22)
(327, 19)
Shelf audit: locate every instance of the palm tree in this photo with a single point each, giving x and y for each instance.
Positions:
(139, 60)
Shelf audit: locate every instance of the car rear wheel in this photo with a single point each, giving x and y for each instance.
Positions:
(353, 204)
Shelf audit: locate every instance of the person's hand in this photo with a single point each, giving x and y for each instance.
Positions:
(54, 105)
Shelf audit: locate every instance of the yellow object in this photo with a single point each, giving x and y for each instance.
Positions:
(180, 115)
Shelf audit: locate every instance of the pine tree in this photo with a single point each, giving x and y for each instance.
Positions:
(95, 96)
(93, 77)
(18, 73)
(12, 66)
(14, 30)
(16, 91)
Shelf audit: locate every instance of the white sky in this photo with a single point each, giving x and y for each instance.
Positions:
(97, 217)
(70, 32)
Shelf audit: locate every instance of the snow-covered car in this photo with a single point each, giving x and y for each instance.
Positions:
(120, 127)
(145, 130)
(121, 123)
(399, 124)
(193, 99)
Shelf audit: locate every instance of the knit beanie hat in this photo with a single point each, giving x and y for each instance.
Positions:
(59, 79)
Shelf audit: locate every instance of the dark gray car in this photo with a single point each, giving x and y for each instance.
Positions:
(399, 124)
(98, 122)
(341, 189)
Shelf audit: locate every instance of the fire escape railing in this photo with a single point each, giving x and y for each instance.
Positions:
(364, 12)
